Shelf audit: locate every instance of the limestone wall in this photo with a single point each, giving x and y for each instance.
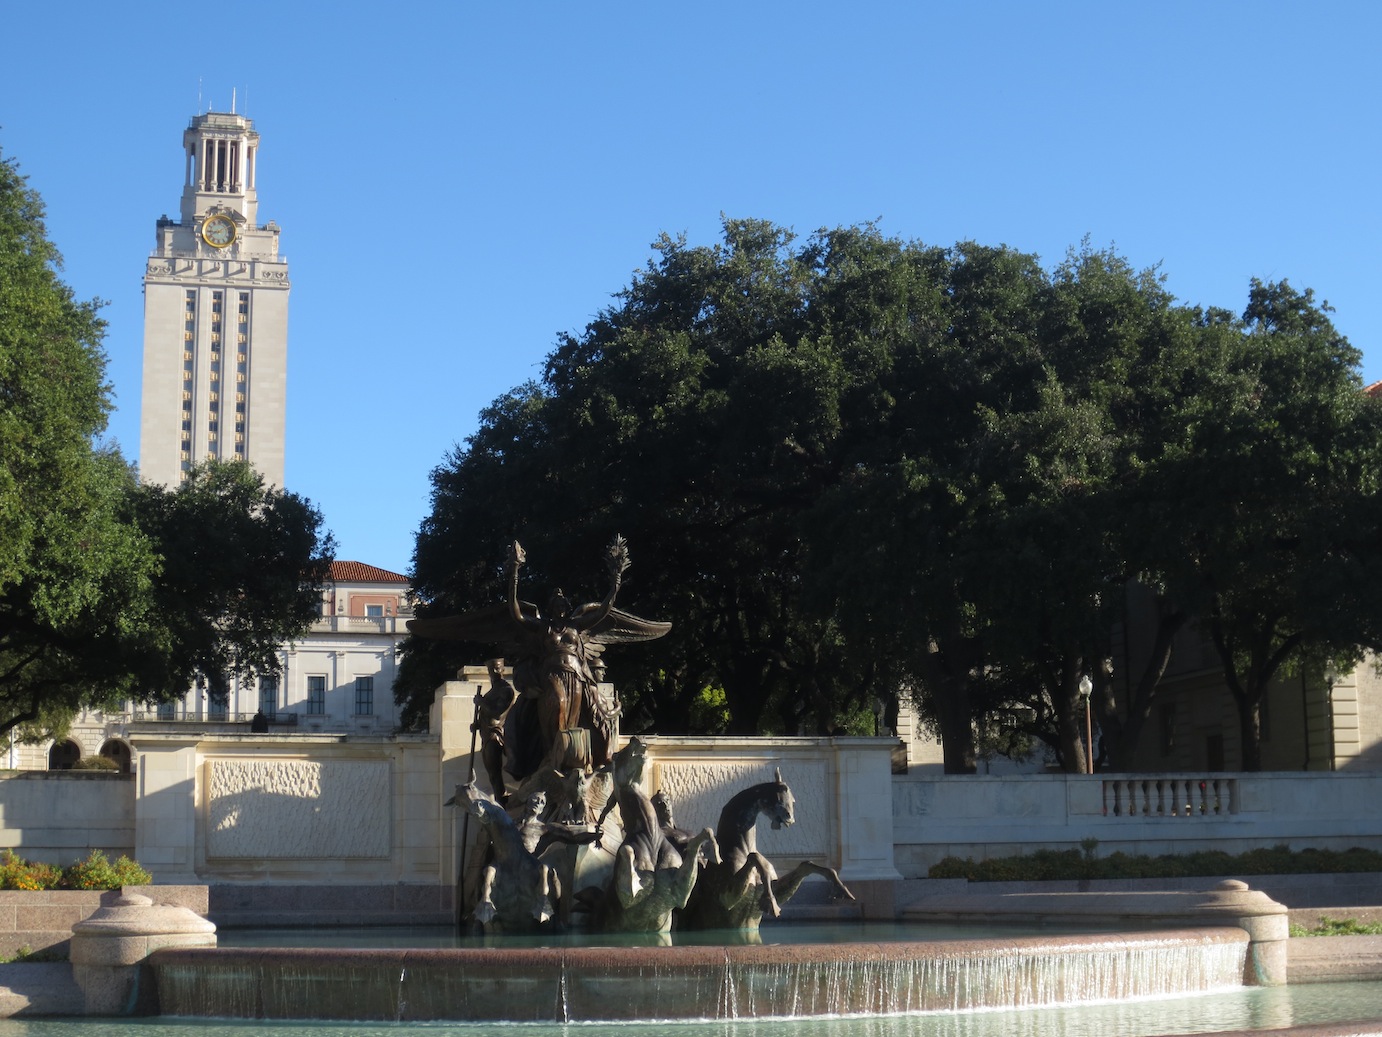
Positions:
(61, 816)
(982, 816)
(291, 809)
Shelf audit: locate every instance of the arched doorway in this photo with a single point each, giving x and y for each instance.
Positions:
(116, 750)
(64, 755)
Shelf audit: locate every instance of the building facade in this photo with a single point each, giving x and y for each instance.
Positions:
(336, 679)
(215, 316)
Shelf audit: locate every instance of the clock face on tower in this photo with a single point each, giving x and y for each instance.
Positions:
(218, 231)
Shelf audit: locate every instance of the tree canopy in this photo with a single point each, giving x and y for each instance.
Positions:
(110, 590)
(852, 465)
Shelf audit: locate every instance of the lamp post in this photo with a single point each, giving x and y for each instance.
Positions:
(1086, 691)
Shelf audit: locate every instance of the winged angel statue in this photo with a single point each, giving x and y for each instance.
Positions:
(561, 719)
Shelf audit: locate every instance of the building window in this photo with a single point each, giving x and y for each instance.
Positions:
(268, 696)
(316, 696)
(217, 701)
(364, 696)
(374, 611)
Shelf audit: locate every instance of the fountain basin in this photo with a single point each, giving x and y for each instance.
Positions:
(619, 984)
(1231, 902)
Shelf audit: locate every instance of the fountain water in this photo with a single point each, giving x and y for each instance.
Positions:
(622, 984)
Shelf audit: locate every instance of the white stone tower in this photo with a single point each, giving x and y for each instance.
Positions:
(215, 316)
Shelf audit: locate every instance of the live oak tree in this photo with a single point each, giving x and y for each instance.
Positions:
(110, 590)
(699, 416)
(1281, 502)
(851, 466)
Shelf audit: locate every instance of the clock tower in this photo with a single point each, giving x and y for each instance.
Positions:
(215, 316)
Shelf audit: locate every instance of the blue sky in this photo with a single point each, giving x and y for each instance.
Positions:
(459, 182)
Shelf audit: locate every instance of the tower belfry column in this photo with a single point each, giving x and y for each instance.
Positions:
(215, 316)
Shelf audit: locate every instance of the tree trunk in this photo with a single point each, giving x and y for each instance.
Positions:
(1123, 733)
(1070, 727)
(957, 726)
(1250, 728)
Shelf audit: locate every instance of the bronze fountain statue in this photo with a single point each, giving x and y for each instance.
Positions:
(555, 731)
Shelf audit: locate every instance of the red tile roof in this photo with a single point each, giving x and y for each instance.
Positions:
(1375, 389)
(359, 572)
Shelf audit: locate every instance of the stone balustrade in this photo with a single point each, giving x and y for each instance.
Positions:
(984, 816)
(1170, 795)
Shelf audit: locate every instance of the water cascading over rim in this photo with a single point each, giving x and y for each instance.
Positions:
(620, 984)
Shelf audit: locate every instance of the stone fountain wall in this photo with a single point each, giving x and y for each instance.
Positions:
(352, 829)
(984, 816)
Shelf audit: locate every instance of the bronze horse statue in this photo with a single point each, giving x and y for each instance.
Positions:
(743, 886)
(652, 876)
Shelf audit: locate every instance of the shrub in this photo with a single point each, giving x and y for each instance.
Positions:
(17, 873)
(1052, 865)
(96, 872)
(95, 763)
(130, 873)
